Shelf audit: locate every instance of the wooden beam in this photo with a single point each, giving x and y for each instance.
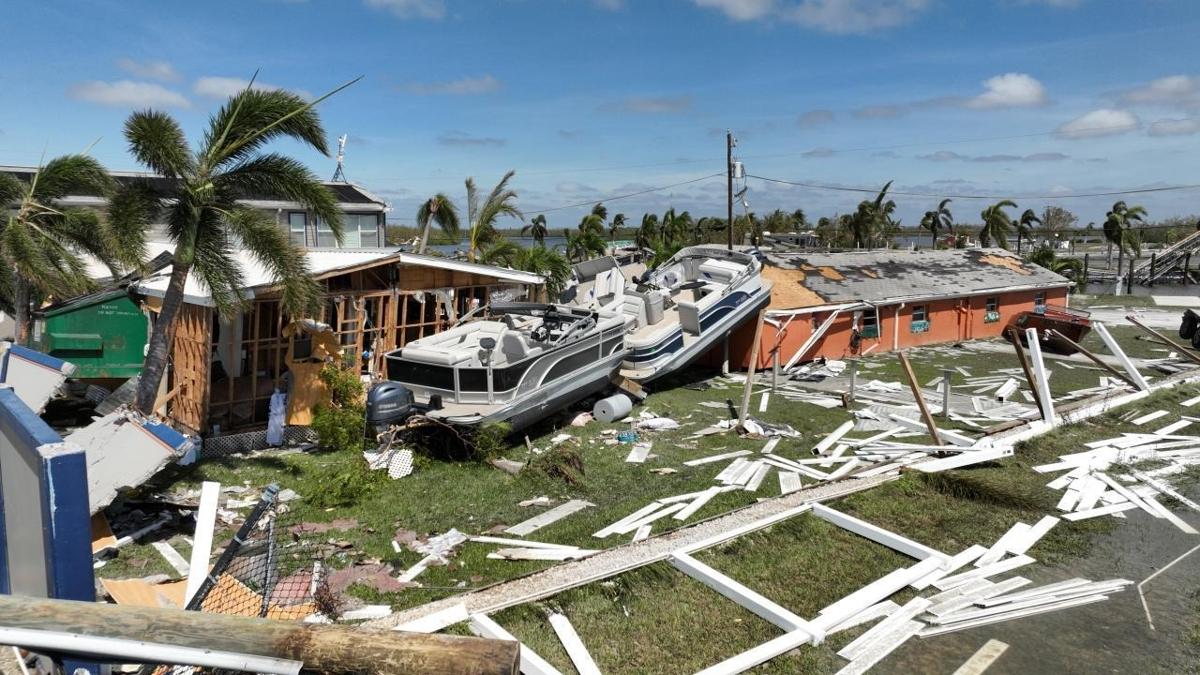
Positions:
(329, 649)
(762, 313)
(1166, 340)
(1092, 355)
(1015, 335)
(916, 391)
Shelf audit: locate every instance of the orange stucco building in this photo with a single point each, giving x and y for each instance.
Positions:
(879, 301)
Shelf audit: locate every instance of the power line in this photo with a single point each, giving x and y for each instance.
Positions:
(625, 196)
(990, 197)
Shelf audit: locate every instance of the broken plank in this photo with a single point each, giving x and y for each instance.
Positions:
(573, 645)
(882, 647)
(1149, 417)
(700, 500)
(202, 540)
(950, 628)
(432, 623)
(789, 482)
(483, 539)
(541, 553)
(172, 557)
(1102, 511)
(983, 658)
(862, 643)
(553, 515)
(877, 534)
(531, 663)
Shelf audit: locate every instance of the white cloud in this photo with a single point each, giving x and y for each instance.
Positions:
(151, 70)
(411, 9)
(831, 16)
(460, 87)
(855, 16)
(129, 94)
(1103, 122)
(1170, 127)
(224, 87)
(1175, 90)
(1010, 90)
(741, 10)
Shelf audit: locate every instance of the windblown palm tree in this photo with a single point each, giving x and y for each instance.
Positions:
(1044, 256)
(937, 220)
(42, 243)
(584, 243)
(501, 201)
(1025, 226)
(615, 226)
(552, 266)
(500, 252)
(871, 218)
(647, 232)
(437, 209)
(601, 211)
(592, 223)
(537, 228)
(996, 224)
(205, 220)
(1118, 230)
(799, 220)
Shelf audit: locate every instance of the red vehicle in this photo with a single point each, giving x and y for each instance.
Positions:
(1073, 324)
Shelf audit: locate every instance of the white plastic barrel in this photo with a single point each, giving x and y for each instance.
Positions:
(612, 408)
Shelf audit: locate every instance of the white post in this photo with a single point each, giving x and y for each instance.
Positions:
(202, 539)
(1039, 374)
(1115, 350)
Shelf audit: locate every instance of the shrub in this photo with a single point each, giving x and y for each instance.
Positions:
(341, 424)
(560, 462)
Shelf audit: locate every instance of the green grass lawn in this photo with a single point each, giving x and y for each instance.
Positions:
(658, 620)
(475, 498)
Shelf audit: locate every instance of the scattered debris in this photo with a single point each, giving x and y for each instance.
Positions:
(552, 516)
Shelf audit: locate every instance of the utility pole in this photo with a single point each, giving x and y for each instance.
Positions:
(729, 184)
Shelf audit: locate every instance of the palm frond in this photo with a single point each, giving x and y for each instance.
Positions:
(253, 117)
(282, 178)
(12, 190)
(439, 209)
(72, 175)
(270, 247)
(157, 140)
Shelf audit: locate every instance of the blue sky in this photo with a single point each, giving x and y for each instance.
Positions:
(587, 99)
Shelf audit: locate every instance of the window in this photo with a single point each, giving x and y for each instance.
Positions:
(298, 227)
(359, 230)
(992, 313)
(325, 238)
(364, 227)
(870, 324)
(1039, 303)
(920, 319)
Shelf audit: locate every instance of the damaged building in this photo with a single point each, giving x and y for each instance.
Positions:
(838, 305)
(223, 371)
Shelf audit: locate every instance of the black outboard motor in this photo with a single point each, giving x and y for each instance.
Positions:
(390, 403)
(1187, 327)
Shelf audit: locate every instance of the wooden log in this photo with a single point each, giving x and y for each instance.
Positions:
(1091, 355)
(329, 649)
(1184, 351)
(917, 394)
(1015, 334)
(745, 409)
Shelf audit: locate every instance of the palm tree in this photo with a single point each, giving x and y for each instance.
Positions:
(552, 266)
(799, 221)
(1025, 226)
(207, 223)
(996, 224)
(582, 244)
(937, 220)
(601, 211)
(592, 223)
(871, 217)
(437, 209)
(615, 226)
(1118, 229)
(500, 252)
(537, 228)
(482, 217)
(647, 232)
(42, 243)
(1044, 256)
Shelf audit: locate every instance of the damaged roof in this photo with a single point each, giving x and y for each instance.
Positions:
(894, 275)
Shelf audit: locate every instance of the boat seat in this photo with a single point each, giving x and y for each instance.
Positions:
(689, 317)
(514, 347)
(721, 271)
